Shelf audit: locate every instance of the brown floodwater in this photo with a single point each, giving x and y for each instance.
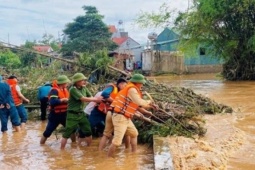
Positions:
(240, 96)
(23, 151)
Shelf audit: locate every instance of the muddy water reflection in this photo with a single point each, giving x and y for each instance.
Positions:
(23, 151)
(239, 95)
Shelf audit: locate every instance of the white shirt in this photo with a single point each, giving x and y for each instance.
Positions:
(91, 105)
(18, 88)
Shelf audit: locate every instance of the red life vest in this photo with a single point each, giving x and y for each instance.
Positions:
(13, 83)
(124, 105)
(62, 93)
(105, 106)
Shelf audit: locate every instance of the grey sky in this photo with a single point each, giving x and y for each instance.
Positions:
(22, 20)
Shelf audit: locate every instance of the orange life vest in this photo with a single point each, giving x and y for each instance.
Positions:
(105, 106)
(13, 83)
(62, 93)
(124, 105)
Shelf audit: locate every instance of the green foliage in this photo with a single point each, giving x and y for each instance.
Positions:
(97, 60)
(225, 28)
(87, 33)
(34, 77)
(29, 58)
(96, 63)
(55, 46)
(48, 39)
(170, 128)
(155, 19)
(228, 28)
(29, 44)
(9, 59)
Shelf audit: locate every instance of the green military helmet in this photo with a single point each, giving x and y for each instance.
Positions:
(78, 77)
(62, 79)
(138, 78)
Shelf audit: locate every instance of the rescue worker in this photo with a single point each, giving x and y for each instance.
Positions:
(58, 98)
(98, 114)
(18, 99)
(125, 105)
(108, 129)
(7, 108)
(76, 117)
(43, 97)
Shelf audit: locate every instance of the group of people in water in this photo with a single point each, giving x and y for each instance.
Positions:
(11, 104)
(108, 114)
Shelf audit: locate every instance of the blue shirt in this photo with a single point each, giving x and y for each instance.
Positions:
(5, 94)
(107, 92)
(43, 91)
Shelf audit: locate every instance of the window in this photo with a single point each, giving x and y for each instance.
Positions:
(202, 51)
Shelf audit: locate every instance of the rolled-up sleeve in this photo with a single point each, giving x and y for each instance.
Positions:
(135, 97)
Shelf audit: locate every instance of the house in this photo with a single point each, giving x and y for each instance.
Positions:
(126, 45)
(201, 61)
(47, 50)
(43, 48)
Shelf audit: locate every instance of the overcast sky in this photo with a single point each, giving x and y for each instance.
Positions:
(22, 20)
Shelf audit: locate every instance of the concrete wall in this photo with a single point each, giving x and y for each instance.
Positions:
(203, 68)
(174, 62)
(169, 62)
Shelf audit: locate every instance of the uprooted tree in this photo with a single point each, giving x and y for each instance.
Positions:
(225, 28)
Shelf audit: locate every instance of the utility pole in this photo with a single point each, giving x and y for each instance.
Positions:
(8, 40)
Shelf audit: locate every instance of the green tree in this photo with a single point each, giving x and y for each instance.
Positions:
(87, 33)
(226, 28)
(28, 58)
(9, 59)
(29, 44)
(96, 64)
(48, 39)
(161, 18)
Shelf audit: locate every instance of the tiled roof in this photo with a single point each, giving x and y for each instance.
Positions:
(119, 41)
(42, 48)
(112, 28)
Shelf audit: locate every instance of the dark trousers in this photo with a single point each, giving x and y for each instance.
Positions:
(4, 116)
(53, 121)
(97, 122)
(43, 106)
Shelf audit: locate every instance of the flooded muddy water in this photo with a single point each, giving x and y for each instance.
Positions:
(230, 139)
(23, 151)
(228, 144)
